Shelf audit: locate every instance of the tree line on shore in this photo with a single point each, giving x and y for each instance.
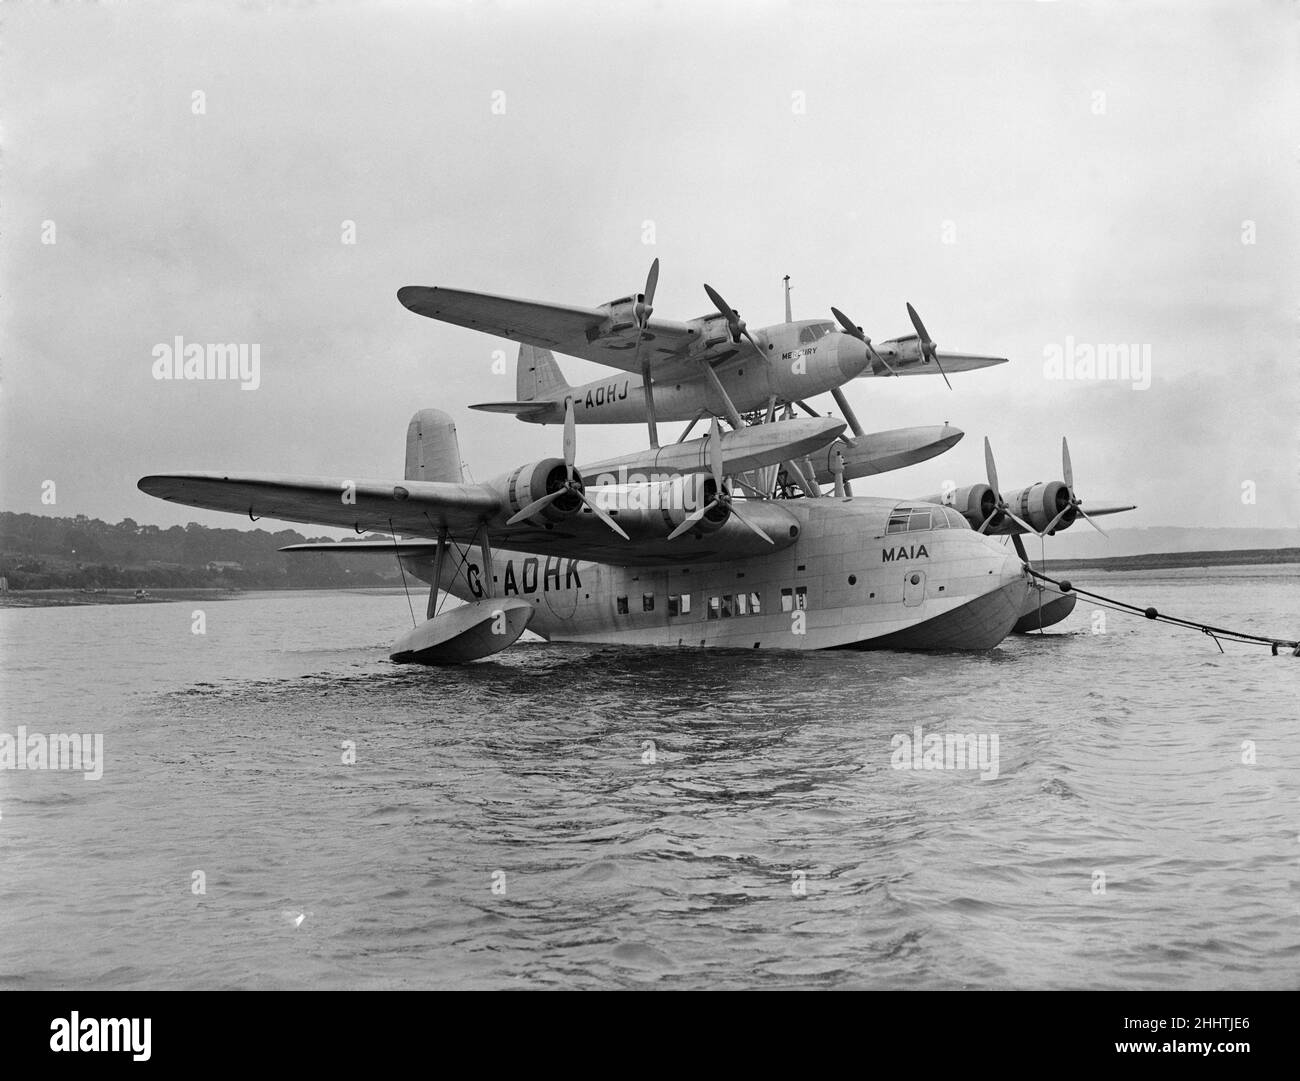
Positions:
(39, 552)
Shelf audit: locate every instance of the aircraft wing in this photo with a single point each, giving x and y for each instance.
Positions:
(423, 508)
(952, 362)
(417, 507)
(571, 330)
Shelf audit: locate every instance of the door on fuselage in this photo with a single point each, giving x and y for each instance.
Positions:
(914, 588)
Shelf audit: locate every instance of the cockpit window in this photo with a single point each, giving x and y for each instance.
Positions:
(915, 519)
(814, 331)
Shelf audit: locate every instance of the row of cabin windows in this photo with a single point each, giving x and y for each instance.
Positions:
(679, 604)
(722, 606)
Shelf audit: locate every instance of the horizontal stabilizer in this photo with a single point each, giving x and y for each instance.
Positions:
(520, 409)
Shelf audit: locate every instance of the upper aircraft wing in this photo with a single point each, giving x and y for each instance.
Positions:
(590, 333)
(952, 362)
(424, 508)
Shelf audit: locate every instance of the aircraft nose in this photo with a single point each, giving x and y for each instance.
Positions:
(852, 357)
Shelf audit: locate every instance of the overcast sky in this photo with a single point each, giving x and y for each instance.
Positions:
(1023, 173)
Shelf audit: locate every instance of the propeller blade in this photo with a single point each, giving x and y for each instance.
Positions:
(651, 284)
(599, 513)
(1020, 522)
(992, 470)
(745, 521)
(570, 436)
(920, 327)
(718, 302)
(1093, 524)
(850, 327)
(1067, 473)
(691, 519)
(928, 348)
(854, 331)
(987, 520)
(734, 323)
(1020, 547)
(536, 505)
(1052, 524)
(941, 371)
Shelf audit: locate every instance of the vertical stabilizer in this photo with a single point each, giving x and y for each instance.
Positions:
(538, 376)
(432, 450)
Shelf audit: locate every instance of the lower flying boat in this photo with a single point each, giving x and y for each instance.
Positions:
(676, 560)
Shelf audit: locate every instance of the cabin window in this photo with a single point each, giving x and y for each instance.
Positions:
(801, 597)
(686, 604)
(728, 610)
(622, 606)
(755, 604)
(715, 607)
(787, 600)
(920, 519)
(673, 605)
(742, 604)
(647, 602)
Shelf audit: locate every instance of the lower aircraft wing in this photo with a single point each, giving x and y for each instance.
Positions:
(424, 508)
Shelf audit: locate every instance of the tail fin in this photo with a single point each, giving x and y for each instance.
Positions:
(537, 375)
(432, 450)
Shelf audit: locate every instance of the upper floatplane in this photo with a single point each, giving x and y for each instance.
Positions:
(724, 540)
(670, 370)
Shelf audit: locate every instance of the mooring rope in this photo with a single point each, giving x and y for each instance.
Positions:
(1151, 613)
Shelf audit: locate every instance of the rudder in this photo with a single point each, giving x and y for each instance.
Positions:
(537, 374)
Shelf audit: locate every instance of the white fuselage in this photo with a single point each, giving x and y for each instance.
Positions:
(846, 582)
(791, 370)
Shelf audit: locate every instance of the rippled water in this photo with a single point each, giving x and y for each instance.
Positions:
(1120, 753)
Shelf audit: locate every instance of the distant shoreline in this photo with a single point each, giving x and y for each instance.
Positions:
(1263, 557)
(68, 598)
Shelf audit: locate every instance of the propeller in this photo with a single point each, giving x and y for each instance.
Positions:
(721, 497)
(929, 351)
(572, 483)
(642, 312)
(735, 324)
(1000, 504)
(855, 331)
(1067, 475)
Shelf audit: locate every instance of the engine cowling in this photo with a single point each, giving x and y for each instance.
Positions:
(529, 483)
(1040, 503)
(974, 503)
(694, 490)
